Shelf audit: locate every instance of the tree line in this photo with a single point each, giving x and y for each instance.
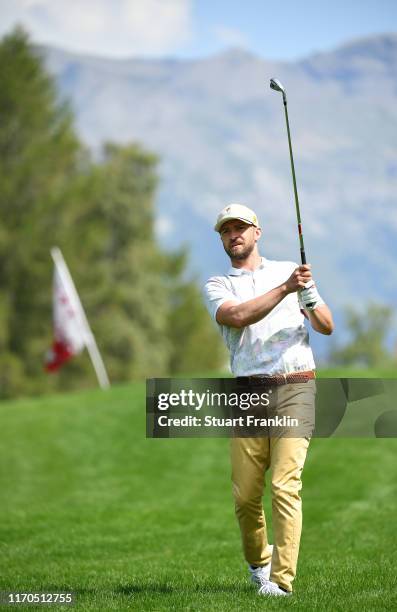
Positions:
(146, 312)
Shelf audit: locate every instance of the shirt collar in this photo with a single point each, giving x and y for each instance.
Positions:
(241, 271)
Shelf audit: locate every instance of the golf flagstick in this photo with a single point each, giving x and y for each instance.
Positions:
(87, 336)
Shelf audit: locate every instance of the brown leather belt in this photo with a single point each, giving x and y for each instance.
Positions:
(277, 379)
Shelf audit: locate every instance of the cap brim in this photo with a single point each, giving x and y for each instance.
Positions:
(225, 219)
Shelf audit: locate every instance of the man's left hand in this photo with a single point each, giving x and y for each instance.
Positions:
(309, 298)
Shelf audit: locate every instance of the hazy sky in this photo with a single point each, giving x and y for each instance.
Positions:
(274, 29)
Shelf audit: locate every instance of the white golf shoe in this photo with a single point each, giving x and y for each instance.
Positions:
(271, 588)
(259, 575)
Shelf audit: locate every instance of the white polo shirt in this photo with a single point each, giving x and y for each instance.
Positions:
(277, 344)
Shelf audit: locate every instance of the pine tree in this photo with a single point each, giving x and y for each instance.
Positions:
(39, 155)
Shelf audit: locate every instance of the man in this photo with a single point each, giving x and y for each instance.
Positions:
(259, 307)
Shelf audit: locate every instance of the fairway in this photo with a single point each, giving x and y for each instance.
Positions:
(90, 505)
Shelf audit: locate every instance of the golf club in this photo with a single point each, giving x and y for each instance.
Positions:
(277, 86)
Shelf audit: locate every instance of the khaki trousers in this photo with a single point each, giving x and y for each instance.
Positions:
(285, 457)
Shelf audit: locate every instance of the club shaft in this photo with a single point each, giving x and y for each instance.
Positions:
(298, 215)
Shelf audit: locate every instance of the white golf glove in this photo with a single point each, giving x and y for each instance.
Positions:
(309, 298)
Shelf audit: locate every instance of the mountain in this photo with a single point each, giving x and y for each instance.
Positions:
(221, 135)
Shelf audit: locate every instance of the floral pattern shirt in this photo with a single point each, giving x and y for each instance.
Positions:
(278, 343)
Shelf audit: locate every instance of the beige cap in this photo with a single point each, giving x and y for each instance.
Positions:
(236, 211)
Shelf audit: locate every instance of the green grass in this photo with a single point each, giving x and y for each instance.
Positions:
(90, 505)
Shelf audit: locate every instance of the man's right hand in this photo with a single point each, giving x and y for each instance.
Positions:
(299, 278)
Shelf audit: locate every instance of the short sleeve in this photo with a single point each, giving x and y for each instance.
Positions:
(216, 293)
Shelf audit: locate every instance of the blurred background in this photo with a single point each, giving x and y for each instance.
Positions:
(127, 125)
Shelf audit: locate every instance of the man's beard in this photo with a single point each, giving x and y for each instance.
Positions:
(242, 254)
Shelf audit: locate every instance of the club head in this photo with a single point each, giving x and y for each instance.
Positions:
(276, 85)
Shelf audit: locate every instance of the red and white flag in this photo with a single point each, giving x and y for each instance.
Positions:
(72, 332)
(68, 330)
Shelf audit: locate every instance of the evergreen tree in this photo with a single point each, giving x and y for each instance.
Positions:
(122, 273)
(39, 155)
